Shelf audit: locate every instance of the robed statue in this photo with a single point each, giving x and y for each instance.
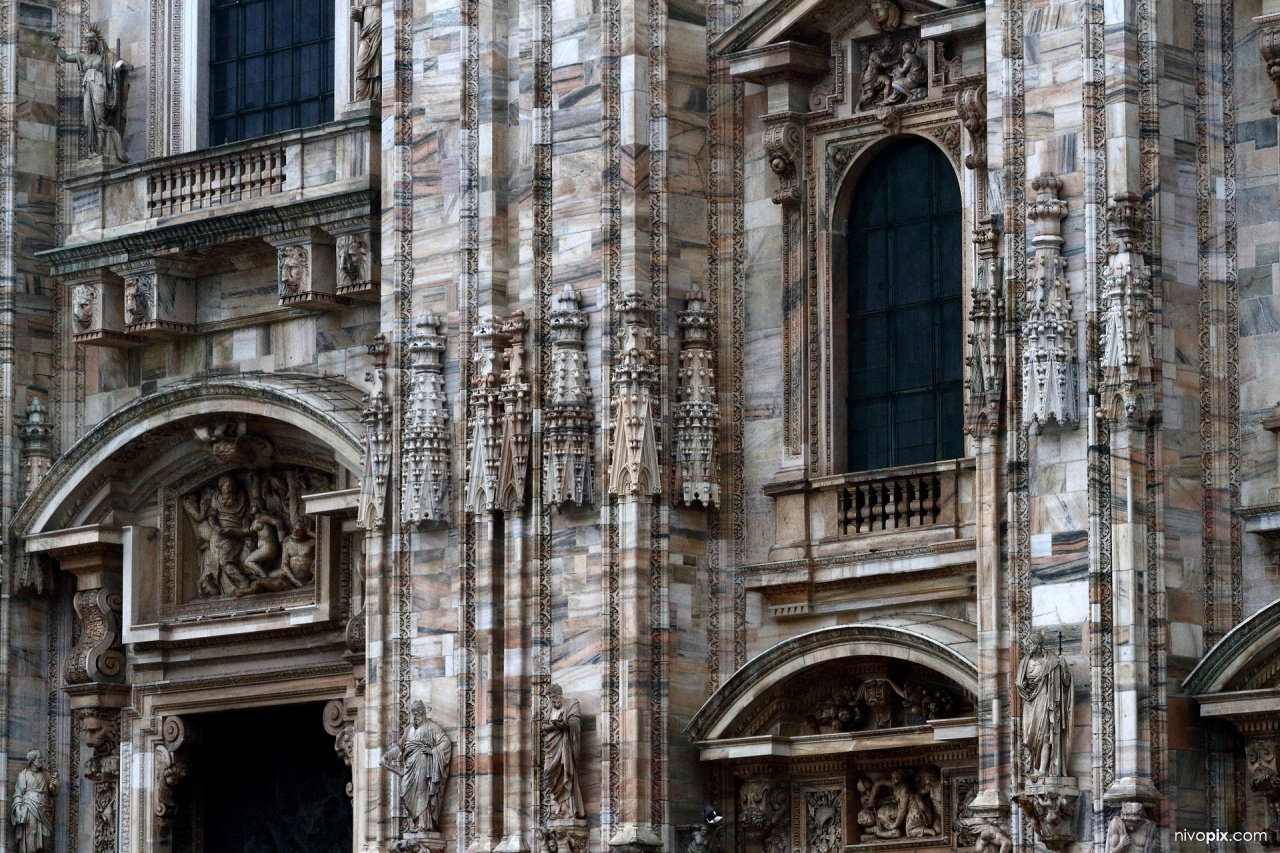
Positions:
(421, 759)
(105, 88)
(32, 808)
(561, 739)
(1044, 685)
(367, 15)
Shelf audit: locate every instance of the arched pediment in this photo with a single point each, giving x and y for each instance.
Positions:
(1247, 658)
(326, 410)
(940, 649)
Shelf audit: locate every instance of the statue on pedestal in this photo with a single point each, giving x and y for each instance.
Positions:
(562, 734)
(368, 17)
(105, 87)
(421, 760)
(1044, 684)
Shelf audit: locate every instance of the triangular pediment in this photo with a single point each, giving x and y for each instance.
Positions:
(813, 22)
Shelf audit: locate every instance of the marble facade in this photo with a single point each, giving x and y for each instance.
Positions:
(497, 425)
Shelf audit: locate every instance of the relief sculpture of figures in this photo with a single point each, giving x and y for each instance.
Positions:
(251, 540)
(32, 809)
(368, 17)
(105, 92)
(1131, 831)
(421, 760)
(1044, 684)
(561, 736)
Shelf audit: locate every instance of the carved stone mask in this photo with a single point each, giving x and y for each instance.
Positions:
(82, 305)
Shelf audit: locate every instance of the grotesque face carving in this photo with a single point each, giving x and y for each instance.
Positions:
(83, 300)
(293, 269)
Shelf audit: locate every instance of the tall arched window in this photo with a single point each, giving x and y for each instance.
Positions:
(905, 362)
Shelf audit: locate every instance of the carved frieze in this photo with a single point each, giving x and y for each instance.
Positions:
(635, 469)
(698, 411)
(1049, 357)
(905, 803)
(1126, 304)
(880, 703)
(568, 415)
(425, 479)
(486, 416)
(764, 812)
(513, 467)
(895, 70)
(986, 333)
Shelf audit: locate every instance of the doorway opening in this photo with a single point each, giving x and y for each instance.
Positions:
(264, 780)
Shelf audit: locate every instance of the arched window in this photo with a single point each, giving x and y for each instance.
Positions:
(905, 362)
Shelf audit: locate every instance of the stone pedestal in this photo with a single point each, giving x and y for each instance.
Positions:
(420, 842)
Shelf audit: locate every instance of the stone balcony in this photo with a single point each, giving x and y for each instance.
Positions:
(149, 244)
(872, 538)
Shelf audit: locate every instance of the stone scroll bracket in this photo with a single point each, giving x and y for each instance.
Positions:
(340, 722)
(172, 766)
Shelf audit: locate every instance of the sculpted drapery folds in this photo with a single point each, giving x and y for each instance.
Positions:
(368, 66)
(421, 760)
(561, 738)
(32, 808)
(105, 90)
(1044, 685)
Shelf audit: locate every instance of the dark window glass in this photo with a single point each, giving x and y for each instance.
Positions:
(271, 68)
(905, 352)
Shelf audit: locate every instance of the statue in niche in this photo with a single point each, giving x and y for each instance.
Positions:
(1044, 685)
(561, 736)
(1131, 831)
(252, 540)
(83, 298)
(368, 17)
(32, 809)
(105, 85)
(421, 760)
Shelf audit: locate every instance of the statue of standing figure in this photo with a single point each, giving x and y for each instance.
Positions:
(368, 17)
(1044, 684)
(421, 759)
(32, 809)
(105, 90)
(561, 738)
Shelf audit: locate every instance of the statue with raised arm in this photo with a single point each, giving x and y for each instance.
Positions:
(421, 759)
(368, 17)
(32, 808)
(561, 737)
(105, 88)
(1044, 684)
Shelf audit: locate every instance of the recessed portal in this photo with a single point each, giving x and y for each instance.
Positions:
(265, 780)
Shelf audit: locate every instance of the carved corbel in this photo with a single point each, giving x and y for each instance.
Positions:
(567, 418)
(1050, 364)
(635, 469)
(305, 270)
(986, 335)
(177, 738)
(513, 467)
(426, 443)
(1264, 778)
(971, 107)
(97, 309)
(764, 811)
(783, 139)
(159, 298)
(486, 416)
(357, 266)
(340, 722)
(1050, 808)
(1270, 48)
(1127, 346)
(564, 839)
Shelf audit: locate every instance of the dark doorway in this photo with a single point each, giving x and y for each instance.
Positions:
(267, 780)
(905, 325)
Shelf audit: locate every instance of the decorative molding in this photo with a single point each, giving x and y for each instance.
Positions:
(1126, 391)
(97, 656)
(635, 469)
(1049, 357)
(566, 429)
(697, 417)
(426, 438)
(986, 332)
